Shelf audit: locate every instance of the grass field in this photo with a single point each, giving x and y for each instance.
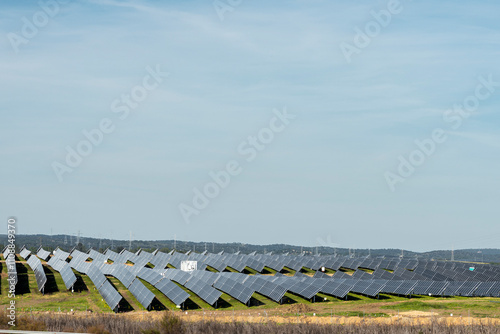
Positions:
(87, 298)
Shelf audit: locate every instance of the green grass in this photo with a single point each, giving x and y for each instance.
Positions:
(457, 304)
(417, 306)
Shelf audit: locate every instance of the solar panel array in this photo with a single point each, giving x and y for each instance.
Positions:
(366, 276)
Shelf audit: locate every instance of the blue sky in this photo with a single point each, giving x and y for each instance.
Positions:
(320, 181)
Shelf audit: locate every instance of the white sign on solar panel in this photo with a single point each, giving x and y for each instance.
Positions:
(189, 265)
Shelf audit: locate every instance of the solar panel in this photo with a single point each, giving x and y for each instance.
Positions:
(307, 288)
(25, 253)
(98, 258)
(437, 288)
(203, 290)
(60, 254)
(236, 290)
(255, 265)
(111, 255)
(177, 275)
(341, 275)
(149, 275)
(206, 276)
(64, 269)
(141, 293)
(265, 288)
(467, 289)
(406, 288)
(360, 274)
(382, 274)
(110, 295)
(422, 287)
(172, 291)
(122, 273)
(366, 287)
(335, 288)
(67, 275)
(43, 254)
(391, 286)
(374, 289)
(82, 267)
(488, 289)
(96, 276)
(320, 274)
(37, 268)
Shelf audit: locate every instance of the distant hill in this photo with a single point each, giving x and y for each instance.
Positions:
(67, 242)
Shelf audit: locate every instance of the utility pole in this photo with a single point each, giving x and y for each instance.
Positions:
(175, 240)
(130, 241)
(452, 253)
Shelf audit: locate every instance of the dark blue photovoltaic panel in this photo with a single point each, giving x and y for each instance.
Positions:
(172, 291)
(265, 287)
(67, 275)
(110, 295)
(96, 276)
(203, 290)
(64, 269)
(236, 290)
(150, 275)
(37, 268)
(141, 293)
